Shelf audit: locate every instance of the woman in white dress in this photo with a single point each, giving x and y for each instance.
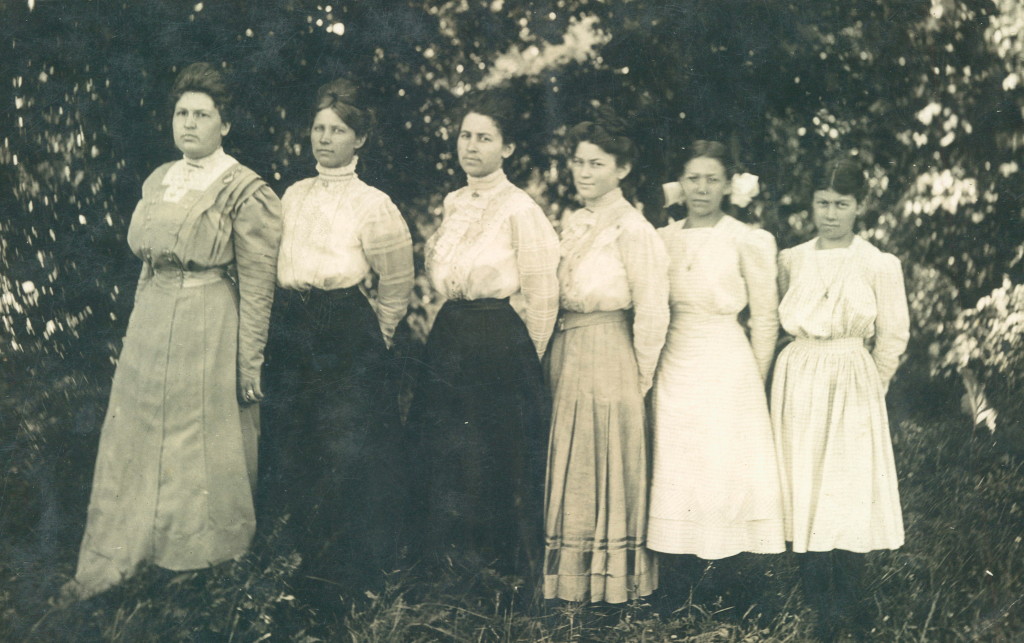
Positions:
(839, 293)
(715, 486)
(614, 301)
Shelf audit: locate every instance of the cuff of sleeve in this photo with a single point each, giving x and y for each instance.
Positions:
(247, 374)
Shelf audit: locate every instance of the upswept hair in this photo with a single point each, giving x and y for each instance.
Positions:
(204, 78)
(607, 131)
(347, 101)
(500, 105)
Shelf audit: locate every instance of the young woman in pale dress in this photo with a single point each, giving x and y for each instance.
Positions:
(176, 465)
(715, 486)
(844, 302)
(614, 301)
(480, 410)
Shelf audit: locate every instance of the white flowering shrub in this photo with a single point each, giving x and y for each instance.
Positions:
(987, 350)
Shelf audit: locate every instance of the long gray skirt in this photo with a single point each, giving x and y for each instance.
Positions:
(597, 475)
(177, 456)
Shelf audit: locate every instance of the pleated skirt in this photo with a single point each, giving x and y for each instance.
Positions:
(333, 460)
(177, 456)
(832, 436)
(715, 490)
(597, 473)
(480, 416)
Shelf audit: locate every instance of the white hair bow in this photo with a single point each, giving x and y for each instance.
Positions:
(743, 188)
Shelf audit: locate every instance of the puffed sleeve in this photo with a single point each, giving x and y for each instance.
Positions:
(892, 324)
(256, 235)
(536, 247)
(646, 262)
(388, 248)
(758, 264)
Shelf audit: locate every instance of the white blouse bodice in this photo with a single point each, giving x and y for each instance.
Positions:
(495, 242)
(612, 259)
(852, 292)
(337, 232)
(722, 269)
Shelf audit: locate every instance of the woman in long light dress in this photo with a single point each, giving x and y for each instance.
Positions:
(332, 422)
(614, 300)
(715, 487)
(844, 302)
(176, 464)
(480, 411)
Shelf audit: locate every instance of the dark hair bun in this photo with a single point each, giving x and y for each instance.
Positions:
(339, 90)
(348, 102)
(606, 118)
(207, 79)
(501, 105)
(607, 131)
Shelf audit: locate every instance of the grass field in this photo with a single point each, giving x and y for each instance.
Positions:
(960, 576)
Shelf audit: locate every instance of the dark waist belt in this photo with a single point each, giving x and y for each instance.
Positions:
(477, 304)
(317, 293)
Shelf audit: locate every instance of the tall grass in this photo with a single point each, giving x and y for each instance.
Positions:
(960, 576)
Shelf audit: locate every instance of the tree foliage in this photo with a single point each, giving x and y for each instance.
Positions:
(929, 94)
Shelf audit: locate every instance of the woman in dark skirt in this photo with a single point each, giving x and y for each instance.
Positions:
(480, 409)
(332, 422)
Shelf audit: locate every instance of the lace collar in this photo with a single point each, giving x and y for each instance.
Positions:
(195, 174)
(335, 174)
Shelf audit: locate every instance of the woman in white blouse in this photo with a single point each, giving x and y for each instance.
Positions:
(839, 293)
(480, 407)
(332, 421)
(715, 485)
(614, 313)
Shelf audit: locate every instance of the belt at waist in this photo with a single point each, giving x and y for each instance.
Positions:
(188, 278)
(318, 293)
(693, 317)
(568, 319)
(487, 303)
(837, 344)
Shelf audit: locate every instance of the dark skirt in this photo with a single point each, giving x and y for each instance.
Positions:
(480, 416)
(330, 450)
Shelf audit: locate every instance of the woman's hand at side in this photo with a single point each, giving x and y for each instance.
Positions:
(249, 390)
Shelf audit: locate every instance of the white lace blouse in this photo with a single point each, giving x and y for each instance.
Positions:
(495, 242)
(612, 259)
(338, 231)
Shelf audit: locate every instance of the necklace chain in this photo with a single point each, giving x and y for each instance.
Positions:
(836, 276)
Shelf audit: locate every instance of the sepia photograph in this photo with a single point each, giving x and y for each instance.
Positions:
(511, 320)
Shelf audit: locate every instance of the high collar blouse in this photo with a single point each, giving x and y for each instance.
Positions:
(836, 293)
(194, 174)
(338, 232)
(495, 242)
(612, 259)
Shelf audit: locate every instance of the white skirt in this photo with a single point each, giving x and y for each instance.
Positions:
(832, 435)
(715, 490)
